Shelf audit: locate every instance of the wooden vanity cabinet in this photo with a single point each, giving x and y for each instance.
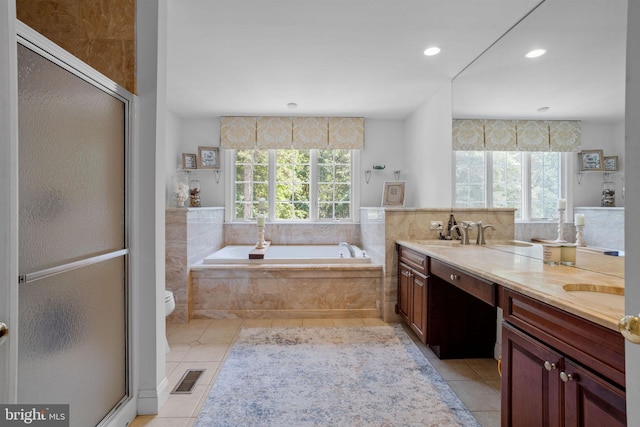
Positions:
(413, 282)
(559, 369)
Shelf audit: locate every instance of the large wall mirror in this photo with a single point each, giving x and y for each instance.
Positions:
(581, 77)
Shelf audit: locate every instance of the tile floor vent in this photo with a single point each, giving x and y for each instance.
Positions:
(188, 381)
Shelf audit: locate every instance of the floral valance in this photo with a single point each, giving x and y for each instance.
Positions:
(292, 132)
(517, 135)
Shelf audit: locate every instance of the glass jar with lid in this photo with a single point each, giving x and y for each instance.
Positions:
(180, 188)
(194, 193)
(608, 198)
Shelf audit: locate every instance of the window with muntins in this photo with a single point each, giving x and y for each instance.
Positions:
(530, 182)
(298, 184)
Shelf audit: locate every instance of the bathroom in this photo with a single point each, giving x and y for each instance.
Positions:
(417, 135)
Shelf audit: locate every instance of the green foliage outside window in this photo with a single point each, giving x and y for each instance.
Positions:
(294, 183)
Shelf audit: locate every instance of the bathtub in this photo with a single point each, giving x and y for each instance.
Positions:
(289, 254)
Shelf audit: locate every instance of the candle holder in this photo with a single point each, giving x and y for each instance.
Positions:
(579, 240)
(261, 210)
(260, 243)
(560, 238)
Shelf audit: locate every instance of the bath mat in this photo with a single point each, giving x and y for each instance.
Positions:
(356, 376)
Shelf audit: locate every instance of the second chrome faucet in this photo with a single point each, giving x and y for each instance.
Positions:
(464, 227)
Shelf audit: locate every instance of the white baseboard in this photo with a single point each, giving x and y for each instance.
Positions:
(150, 401)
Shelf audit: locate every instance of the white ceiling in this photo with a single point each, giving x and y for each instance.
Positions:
(338, 57)
(581, 77)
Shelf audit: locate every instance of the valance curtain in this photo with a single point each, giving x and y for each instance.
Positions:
(274, 132)
(292, 132)
(238, 132)
(565, 135)
(468, 135)
(532, 135)
(517, 135)
(500, 135)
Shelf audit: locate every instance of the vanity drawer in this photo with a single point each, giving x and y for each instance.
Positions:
(599, 348)
(481, 289)
(413, 259)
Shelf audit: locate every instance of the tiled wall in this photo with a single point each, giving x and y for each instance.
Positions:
(293, 234)
(603, 227)
(191, 234)
(285, 291)
(99, 32)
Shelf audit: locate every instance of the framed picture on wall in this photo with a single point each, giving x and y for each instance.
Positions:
(393, 193)
(591, 160)
(208, 158)
(189, 161)
(610, 163)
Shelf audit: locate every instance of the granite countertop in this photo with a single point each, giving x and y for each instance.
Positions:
(518, 266)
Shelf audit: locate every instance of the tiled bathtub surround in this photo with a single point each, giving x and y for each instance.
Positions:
(313, 291)
(293, 233)
(191, 234)
(285, 291)
(380, 228)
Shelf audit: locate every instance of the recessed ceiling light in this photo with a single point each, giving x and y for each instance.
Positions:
(432, 51)
(536, 53)
(543, 109)
(292, 105)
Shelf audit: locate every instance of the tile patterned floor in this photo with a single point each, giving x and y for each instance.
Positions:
(205, 343)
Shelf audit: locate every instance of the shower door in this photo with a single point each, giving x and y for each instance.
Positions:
(73, 252)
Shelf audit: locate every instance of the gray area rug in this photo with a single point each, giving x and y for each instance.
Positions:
(359, 376)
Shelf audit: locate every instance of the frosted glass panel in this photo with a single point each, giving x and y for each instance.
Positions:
(72, 341)
(72, 168)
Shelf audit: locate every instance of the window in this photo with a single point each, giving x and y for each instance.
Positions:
(527, 181)
(299, 185)
(251, 182)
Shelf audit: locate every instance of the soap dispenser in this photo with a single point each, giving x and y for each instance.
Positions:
(448, 236)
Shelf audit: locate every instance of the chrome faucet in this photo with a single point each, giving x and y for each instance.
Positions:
(481, 229)
(349, 247)
(463, 227)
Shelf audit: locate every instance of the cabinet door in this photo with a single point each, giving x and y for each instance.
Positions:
(404, 289)
(531, 386)
(591, 401)
(419, 305)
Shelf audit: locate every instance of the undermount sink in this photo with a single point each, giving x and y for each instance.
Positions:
(612, 296)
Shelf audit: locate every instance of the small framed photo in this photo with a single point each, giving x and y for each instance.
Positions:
(610, 163)
(208, 158)
(591, 160)
(393, 193)
(189, 161)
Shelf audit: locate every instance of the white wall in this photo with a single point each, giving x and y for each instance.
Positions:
(383, 145)
(173, 156)
(150, 386)
(610, 138)
(632, 210)
(428, 152)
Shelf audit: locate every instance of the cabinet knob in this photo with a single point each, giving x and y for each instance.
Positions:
(566, 377)
(453, 277)
(549, 366)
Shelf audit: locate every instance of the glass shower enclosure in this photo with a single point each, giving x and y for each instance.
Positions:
(73, 245)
